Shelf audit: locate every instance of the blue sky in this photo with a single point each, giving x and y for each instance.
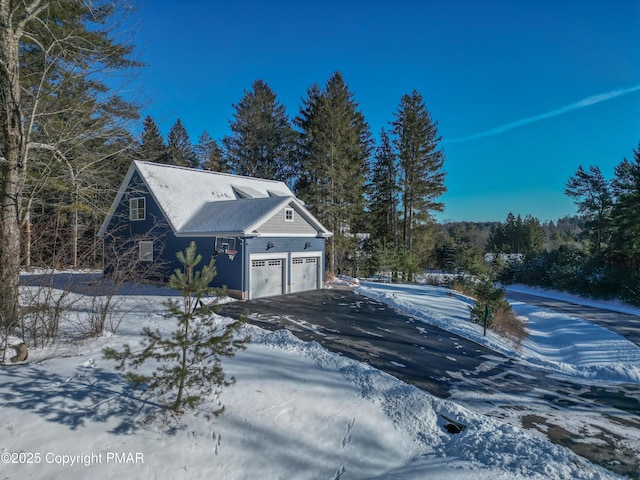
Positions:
(523, 91)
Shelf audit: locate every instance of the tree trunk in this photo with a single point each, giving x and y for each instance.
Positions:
(27, 241)
(12, 171)
(74, 245)
(183, 367)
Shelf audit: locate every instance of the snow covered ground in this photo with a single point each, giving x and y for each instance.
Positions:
(557, 342)
(296, 411)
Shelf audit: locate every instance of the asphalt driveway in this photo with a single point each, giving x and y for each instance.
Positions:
(369, 331)
(443, 364)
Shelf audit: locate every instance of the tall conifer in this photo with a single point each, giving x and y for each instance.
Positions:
(421, 161)
(626, 212)
(383, 198)
(180, 148)
(152, 146)
(262, 139)
(210, 155)
(335, 147)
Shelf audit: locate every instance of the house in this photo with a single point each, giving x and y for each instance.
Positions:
(265, 242)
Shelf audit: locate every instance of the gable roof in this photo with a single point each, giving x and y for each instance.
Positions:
(204, 202)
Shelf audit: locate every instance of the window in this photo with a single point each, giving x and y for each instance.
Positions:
(145, 251)
(137, 210)
(288, 214)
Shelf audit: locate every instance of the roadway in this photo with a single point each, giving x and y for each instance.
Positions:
(625, 324)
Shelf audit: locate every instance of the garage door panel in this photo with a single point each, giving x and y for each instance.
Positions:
(266, 277)
(304, 274)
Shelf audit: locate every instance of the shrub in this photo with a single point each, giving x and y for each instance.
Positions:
(500, 318)
(507, 324)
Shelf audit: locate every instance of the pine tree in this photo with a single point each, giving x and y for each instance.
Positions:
(335, 146)
(45, 46)
(592, 195)
(516, 235)
(383, 207)
(420, 161)
(189, 358)
(210, 155)
(262, 139)
(626, 212)
(383, 198)
(534, 235)
(152, 147)
(180, 148)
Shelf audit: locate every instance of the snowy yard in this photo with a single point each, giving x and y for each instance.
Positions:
(296, 411)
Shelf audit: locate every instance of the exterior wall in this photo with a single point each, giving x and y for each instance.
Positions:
(228, 272)
(278, 225)
(123, 235)
(122, 238)
(283, 247)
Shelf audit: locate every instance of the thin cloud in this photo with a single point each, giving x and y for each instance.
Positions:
(586, 102)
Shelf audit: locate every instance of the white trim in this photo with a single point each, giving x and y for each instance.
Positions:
(136, 209)
(286, 235)
(269, 256)
(288, 210)
(147, 244)
(250, 235)
(117, 199)
(306, 254)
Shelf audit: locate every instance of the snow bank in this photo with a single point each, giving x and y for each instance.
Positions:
(557, 342)
(296, 411)
(612, 305)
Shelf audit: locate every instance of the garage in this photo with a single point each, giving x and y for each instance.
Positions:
(304, 273)
(266, 277)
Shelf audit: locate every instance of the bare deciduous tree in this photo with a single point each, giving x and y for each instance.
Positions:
(52, 101)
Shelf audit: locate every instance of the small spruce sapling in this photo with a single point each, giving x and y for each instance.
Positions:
(188, 359)
(487, 295)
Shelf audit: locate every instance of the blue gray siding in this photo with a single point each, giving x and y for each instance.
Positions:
(283, 245)
(123, 235)
(278, 225)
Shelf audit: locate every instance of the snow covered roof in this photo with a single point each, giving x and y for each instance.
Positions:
(200, 201)
(233, 217)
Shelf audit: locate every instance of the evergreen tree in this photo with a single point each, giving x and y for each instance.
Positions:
(180, 148)
(56, 44)
(534, 235)
(152, 147)
(516, 235)
(188, 360)
(626, 211)
(593, 197)
(262, 139)
(335, 146)
(383, 198)
(421, 161)
(210, 155)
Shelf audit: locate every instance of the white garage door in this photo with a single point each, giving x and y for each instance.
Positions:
(304, 274)
(266, 277)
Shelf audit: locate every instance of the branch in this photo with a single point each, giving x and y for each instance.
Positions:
(50, 148)
(30, 12)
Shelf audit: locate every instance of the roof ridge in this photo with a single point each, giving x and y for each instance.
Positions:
(211, 172)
